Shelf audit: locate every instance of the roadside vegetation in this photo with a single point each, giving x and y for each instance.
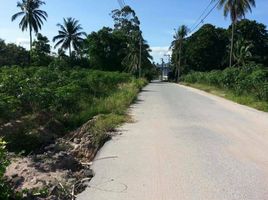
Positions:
(58, 108)
(247, 85)
(67, 97)
(231, 62)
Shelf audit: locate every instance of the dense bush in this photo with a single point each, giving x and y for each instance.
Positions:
(250, 80)
(43, 103)
(29, 90)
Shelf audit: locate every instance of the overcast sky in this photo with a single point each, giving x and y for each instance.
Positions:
(158, 18)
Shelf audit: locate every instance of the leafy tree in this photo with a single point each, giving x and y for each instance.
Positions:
(176, 47)
(41, 50)
(137, 51)
(126, 20)
(32, 16)
(11, 54)
(237, 10)
(255, 33)
(105, 49)
(70, 35)
(206, 49)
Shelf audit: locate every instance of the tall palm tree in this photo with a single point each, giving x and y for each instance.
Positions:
(32, 16)
(237, 10)
(176, 46)
(70, 35)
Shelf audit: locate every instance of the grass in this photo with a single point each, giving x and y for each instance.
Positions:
(43, 104)
(227, 94)
(113, 110)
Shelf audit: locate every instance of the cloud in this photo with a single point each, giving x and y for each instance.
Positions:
(160, 52)
(23, 42)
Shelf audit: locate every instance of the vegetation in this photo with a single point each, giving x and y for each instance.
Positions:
(176, 47)
(69, 35)
(205, 64)
(40, 53)
(11, 54)
(32, 16)
(237, 10)
(4, 162)
(205, 49)
(247, 85)
(71, 96)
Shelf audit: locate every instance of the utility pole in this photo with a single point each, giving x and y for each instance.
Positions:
(140, 57)
(162, 71)
(169, 63)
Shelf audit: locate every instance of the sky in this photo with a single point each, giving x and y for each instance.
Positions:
(158, 18)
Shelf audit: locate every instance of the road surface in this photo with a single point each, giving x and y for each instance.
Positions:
(185, 144)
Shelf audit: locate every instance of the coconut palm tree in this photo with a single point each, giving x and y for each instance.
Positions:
(237, 10)
(70, 35)
(32, 16)
(176, 47)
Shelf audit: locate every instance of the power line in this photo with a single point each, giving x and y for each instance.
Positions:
(120, 3)
(205, 10)
(203, 19)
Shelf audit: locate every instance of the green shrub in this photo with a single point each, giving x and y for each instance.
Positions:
(71, 96)
(4, 162)
(249, 80)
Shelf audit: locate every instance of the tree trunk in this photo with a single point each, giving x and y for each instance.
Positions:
(31, 39)
(70, 51)
(179, 64)
(31, 44)
(232, 44)
(140, 59)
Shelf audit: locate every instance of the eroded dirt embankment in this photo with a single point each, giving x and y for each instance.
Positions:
(60, 169)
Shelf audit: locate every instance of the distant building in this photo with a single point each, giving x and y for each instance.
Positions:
(164, 70)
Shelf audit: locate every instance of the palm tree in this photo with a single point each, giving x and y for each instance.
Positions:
(32, 16)
(176, 46)
(69, 35)
(237, 10)
(133, 57)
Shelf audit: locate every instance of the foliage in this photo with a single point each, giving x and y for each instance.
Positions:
(132, 59)
(71, 96)
(118, 49)
(70, 35)
(249, 80)
(176, 47)
(237, 10)
(242, 52)
(105, 49)
(3, 158)
(11, 54)
(136, 52)
(32, 16)
(40, 52)
(4, 162)
(206, 48)
(256, 34)
(126, 20)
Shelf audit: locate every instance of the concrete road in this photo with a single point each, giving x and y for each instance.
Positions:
(184, 145)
